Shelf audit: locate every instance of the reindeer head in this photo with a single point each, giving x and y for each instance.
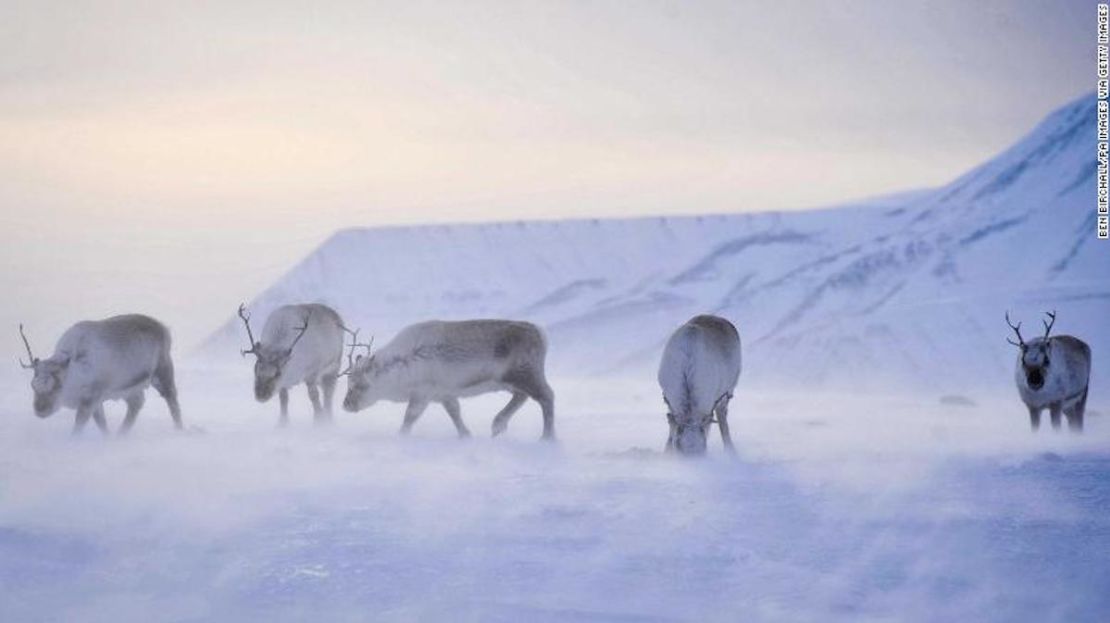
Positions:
(690, 430)
(270, 359)
(49, 375)
(1036, 353)
(359, 372)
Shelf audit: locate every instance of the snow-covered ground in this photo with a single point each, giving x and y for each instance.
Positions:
(838, 507)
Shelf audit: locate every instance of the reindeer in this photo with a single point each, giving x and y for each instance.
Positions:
(300, 344)
(699, 370)
(443, 361)
(1052, 372)
(112, 359)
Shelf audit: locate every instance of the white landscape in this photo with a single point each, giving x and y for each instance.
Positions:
(885, 470)
(837, 508)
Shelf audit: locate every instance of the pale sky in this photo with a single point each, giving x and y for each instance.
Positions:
(177, 157)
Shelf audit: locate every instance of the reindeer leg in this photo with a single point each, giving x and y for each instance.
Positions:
(1035, 418)
(283, 400)
(412, 413)
(175, 410)
(546, 400)
(543, 395)
(328, 383)
(318, 416)
(1074, 413)
(98, 417)
(722, 423)
(84, 412)
(134, 403)
(1075, 421)
(501, 420)
(452, 408)
(166, 387)
(670, 438)
(1054, 414)
(531, 381)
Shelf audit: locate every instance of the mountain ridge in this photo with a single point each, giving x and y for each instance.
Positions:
(879, 293)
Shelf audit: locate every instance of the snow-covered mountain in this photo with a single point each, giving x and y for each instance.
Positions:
(908, 290)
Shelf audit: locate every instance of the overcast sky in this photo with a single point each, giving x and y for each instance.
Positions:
(176, 158)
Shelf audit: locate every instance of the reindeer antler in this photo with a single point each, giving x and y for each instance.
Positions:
(253, 350)
(301, 330)
(1017, 329)
(27, 345)
(351, 353)
(1048, 325)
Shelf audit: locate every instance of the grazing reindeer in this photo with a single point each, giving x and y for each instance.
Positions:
(300, 344)
(112, 359)
(1052, 372)
(444, 361)
(699, 370)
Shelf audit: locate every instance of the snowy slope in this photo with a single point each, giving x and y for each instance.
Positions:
(908, 290)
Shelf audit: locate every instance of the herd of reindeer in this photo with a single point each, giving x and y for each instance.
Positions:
(118, 358)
